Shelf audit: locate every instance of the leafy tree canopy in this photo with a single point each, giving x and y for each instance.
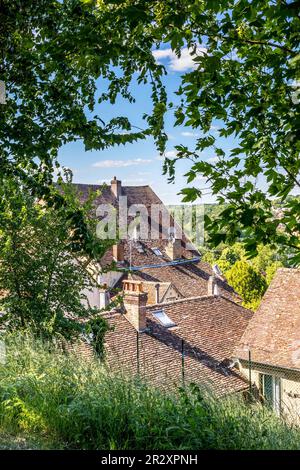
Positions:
(245, 77)
(247, 81)
(248, 277)
(266, 260)
(247, 282)
(52, 54)
(43, 284)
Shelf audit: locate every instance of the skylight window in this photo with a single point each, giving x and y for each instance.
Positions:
(163, 318)
(157, 251)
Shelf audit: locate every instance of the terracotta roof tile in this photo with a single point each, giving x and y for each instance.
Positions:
(273, 334)
(189, 279)
(210, 327)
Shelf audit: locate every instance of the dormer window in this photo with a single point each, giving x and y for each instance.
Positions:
(157, 251)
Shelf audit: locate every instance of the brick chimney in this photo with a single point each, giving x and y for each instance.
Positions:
(116, 187)
(212, 286)
(135, 301)
(118, 252)
(174, 249)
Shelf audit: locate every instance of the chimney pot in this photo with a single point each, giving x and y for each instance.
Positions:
(135, 301)
(213, 288)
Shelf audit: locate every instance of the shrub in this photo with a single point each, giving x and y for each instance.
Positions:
(66, 402)
(247, 282)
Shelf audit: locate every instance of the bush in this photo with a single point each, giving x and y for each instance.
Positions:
(69, 403)
(247, 282)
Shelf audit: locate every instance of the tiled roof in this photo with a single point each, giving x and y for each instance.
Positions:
(273, 334)
(150, 288)
(135, 194)
(210, 327)
(189, 279)
(106, 196)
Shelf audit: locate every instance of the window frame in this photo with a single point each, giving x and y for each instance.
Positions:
(161, 311)
(276, 391)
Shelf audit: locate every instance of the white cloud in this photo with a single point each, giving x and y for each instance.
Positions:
(121, 163)
(213, 159)
(200, 178)
(179, 64)
(215, 129)
(171, 136)
(169, 154)
(189, 134)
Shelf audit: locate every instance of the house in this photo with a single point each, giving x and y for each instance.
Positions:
(179, 321)
(272, 343)
(184, 340)
(170, 269)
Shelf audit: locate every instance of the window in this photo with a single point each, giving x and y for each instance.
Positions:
(271, 390)
(157, 251)
(163, 318)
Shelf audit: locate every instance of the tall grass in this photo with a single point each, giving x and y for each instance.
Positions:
(66, 402)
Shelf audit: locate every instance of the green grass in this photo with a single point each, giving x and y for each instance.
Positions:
(51, 400)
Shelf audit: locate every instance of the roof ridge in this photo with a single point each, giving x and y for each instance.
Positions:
(283, 268)
(100, 185)
(156, 282)
(137, 186)
(185, 299)
(235, 303)
(199, 297)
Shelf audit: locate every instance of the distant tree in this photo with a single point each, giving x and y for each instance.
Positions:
(230, 255)
(208, 256)
(266, 256)
(226, 256)
(271, 270)
(247, 282)
(43, 284)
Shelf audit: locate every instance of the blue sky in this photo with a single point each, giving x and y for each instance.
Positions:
(139, 163)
